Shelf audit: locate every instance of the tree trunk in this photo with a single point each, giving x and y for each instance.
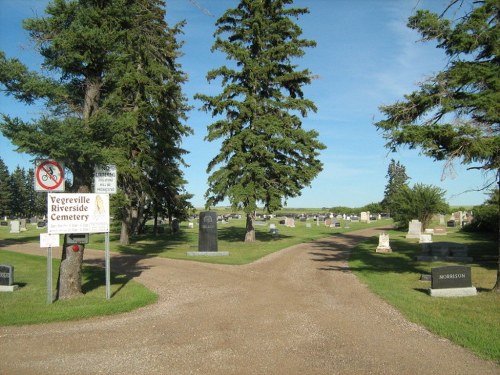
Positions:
(250, 233)
(124, 233)
(69, 282)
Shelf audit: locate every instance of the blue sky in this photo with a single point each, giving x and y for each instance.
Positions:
(365, 57)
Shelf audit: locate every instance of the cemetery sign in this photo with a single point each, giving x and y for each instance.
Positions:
(77, 213)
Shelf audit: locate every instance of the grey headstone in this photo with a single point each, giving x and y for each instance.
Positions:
(208, 232)
(451, 277)
(6, 274)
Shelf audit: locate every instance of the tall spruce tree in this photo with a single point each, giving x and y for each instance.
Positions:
(110, 93)
(266, 156)
(455, 114)
(5, 192)
(148, 98)
(396, 181)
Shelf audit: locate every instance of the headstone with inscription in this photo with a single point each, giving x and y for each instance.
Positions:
(7, 278)
(208, 232)
(452, 281)
(383, 244)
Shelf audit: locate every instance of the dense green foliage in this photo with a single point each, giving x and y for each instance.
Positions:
(18, 197)
(396, 181)
(485, 216)
(455, 114)
(266, 156)
(420, 202)
(112, 93)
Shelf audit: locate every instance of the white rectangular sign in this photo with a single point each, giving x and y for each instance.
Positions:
(49, 240)
(105, 178)
(77, 213)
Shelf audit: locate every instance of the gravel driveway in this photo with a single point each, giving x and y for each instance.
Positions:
(297, 311)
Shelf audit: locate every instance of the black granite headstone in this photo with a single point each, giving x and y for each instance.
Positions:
(6, 274)
(451, 277)
(208, 232)
(4, 224)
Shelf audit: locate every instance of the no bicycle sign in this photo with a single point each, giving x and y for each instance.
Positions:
(49, 176)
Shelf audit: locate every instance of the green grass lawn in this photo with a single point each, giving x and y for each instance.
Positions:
(472, 322)
(28, 304)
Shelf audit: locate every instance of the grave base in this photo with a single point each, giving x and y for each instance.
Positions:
(208, 253)
(8, 288)
(383, 249)
(453, 292)
(432, 258)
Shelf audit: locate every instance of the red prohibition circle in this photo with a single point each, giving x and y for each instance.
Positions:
(42, 168)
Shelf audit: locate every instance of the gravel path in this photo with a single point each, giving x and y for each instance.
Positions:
(297, 311)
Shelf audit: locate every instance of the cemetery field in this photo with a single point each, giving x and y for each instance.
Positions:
(472, 322)
(230, 238)
(28, 304)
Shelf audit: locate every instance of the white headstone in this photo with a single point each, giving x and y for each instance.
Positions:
(383, 244)
(425, 238)
(15, 226)
(414, 229)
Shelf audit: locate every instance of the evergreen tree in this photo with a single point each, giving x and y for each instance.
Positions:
(397, 180)
(18, 205)
(421, 202)
(148, 97)
(266, 156)
(455, 114)
(110, 93)
(5, 192)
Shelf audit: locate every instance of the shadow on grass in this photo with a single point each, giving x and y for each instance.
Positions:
(124, 268)
(149, 244)
(15, 241)
(361, 251)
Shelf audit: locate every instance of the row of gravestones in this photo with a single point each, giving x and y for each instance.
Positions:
(448, 281)
(17, 226)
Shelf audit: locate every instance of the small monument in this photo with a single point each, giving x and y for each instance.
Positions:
(208, 231)
(425, 238)
(383, 244)
(452, 281)
(414, 229)
(447, 251)
(207, 241)
(15, 226)
(7, 278)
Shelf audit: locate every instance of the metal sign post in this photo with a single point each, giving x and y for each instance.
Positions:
(49, 241)
(49, 275)
(107, 261)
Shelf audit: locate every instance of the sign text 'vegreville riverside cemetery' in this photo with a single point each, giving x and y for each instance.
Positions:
(77, 213)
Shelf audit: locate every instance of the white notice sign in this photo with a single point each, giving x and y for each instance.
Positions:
(105, 177)
(77, 213)
(49, 240)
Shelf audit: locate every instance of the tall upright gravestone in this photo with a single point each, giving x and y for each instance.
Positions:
(208, 232)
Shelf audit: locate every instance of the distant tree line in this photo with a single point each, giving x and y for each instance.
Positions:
(18, 197)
